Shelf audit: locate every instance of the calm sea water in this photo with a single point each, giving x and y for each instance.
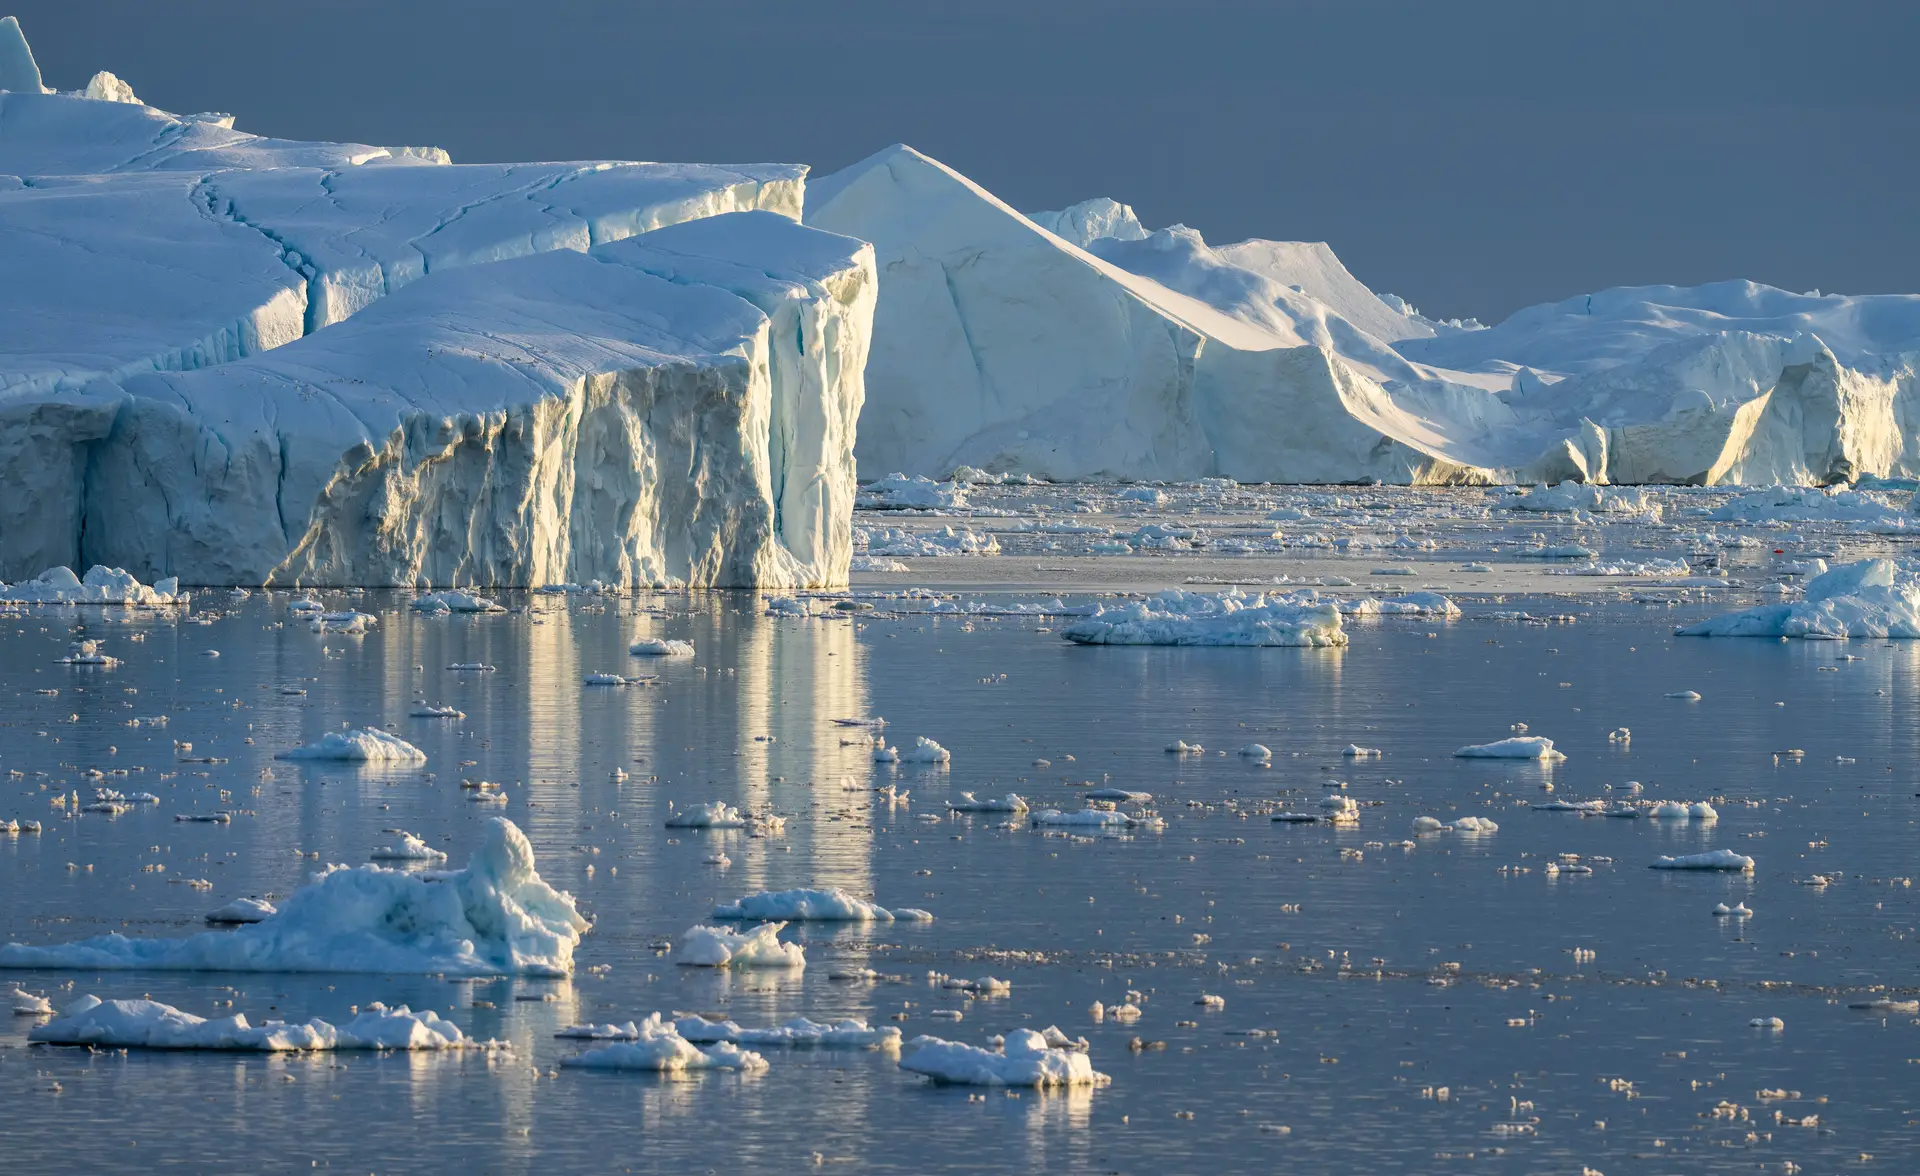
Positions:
(1418, 1008)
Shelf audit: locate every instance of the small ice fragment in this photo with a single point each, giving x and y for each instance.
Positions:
(657, 647)
(1519, 748)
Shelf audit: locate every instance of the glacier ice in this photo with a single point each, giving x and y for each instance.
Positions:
(18, 71)
(1179, 617)
(495, 917)
(675, 410)
(1025, 1059)
(1077, 344)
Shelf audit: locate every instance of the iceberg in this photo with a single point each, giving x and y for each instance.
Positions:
(366, 746)
(1524, 747)
(148, 1024)
(1870, 598)
(1024, 1060)
(1001, 346)
(799, 1032)
(752, 947)
(822, 906)
(657, 1045)
(550, 384)
(1179, 617)
(1713, 859)
(495, 917)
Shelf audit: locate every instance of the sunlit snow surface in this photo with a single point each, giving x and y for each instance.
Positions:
(1358, 967)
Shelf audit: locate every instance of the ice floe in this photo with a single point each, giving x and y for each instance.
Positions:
(658, 647)
(1179, 617)
(495, 917)
(148, 1024)
(1870, 598)
(1520, 747)
(656, 1045)
(365, 745)
(243, 910)
(101, 585)
(830, 905)
(749, 947)
(1713, 859)
(1025, 1059)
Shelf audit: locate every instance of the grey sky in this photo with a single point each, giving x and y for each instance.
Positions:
(1473, 157)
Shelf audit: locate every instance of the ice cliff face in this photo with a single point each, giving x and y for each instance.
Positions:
(243, 360)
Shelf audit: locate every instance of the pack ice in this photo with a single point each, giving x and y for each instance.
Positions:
(1077, 344)
(235, 359)
(496, 917)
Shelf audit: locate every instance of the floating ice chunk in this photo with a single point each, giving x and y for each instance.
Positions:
(1871, 598)
(1355, 751)
(799, 1032)
(146, 1024)
(1182, 747)
(1119, 794)
(427, 710)
(407, 849)
(1340, 809)
(1024, 1060)
(658, 647)
(1012, 802)
(101, 585)
(832, 905)
(1570, 806)
(717, 815)
(1210, 1001)
(882, 754)
(1148, 495)
(1713, 859)
(785, 606)
(365, 745)
(26, 1004)
(900, 492)
(1088, 819)
(471, 668)
(874, 723)
(1722, 911)
(495, 917)
(656, 1045)
(751, 947)
(1472, 824)
(875, 563)
(219, 818)
(1520, 748)
(1672, 810)
(244, 910)
(1772, 1023)
(1178, 617)
(86, 653)
(925, 751)
(443, 603)
(1887, 1005)
(1257, 751)
(1685, 695)
(1428, 825)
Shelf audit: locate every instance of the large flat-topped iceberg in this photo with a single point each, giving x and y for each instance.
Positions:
(652, 412)
(1000, 345)
(681, 412)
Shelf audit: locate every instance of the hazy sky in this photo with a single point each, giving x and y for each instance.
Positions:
(1473, 157)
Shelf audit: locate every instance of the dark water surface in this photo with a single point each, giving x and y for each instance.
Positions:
(1375, 981)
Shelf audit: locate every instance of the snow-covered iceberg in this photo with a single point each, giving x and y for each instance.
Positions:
(148, 1024)
(1002, 346)
(1871, 598)
(536, 394)
(496, 917)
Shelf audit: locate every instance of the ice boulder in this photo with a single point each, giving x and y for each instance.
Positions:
(1002, 346)
(652, 412)
(495, 917)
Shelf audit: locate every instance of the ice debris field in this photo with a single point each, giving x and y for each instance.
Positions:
(1177, 702)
